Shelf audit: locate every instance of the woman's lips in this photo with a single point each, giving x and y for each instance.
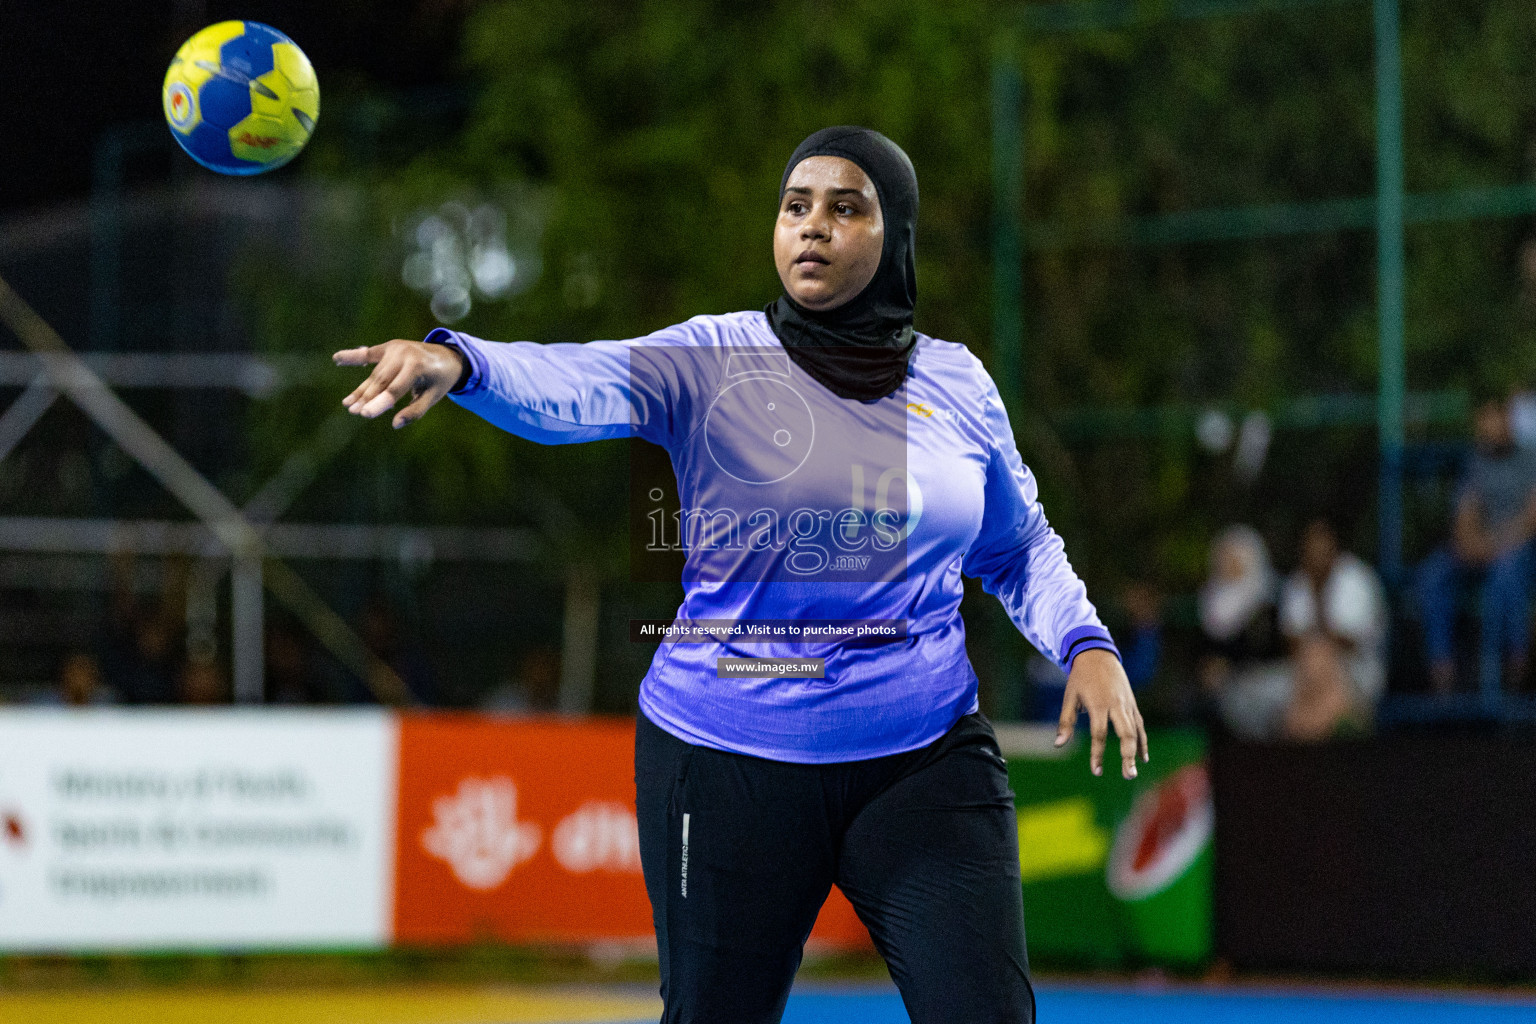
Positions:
(811, 257)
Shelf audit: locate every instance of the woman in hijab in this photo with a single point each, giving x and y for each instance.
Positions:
(1238, 598)
(1243, 670)
(838, 474)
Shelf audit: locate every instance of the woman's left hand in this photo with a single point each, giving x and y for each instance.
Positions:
(1097, 685)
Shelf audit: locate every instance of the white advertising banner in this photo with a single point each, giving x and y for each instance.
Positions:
(196, 828)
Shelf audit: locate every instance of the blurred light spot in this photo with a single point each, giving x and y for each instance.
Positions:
(450, 304)
(1214, 431)
(1252, 446)
(461, 254)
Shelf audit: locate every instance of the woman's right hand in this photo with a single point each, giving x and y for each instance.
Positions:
(400, 368)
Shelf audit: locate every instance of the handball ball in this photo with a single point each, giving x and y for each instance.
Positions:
(241, 98)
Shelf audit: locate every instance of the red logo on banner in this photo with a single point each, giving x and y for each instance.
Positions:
(524, 831)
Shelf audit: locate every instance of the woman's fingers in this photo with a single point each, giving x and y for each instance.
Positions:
(1098, 729)
(413, 412)
(386, 356)
(363, 355)
(386, 392)
(386, 360)
(389, 395)
(1097, 684)
(358, 392)
(416, 410)
(1128, 725)
(377, 381)
(1068, 720)
(360, 356)
(1130, 738)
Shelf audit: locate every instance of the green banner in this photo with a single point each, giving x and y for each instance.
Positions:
(1116, 873)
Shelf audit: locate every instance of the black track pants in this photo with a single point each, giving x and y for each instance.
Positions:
(739, 853)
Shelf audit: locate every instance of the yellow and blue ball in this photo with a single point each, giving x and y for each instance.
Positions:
(241, 98)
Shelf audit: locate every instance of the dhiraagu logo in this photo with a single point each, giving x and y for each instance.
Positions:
(1060, 838)
(929, 412)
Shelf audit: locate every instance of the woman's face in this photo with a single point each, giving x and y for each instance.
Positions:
(1232, 562)
(830, 233)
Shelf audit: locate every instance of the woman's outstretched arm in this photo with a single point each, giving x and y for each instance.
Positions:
(558, 393)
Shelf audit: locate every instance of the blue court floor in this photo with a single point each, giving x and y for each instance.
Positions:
(1059, 1003)
(1063, 1004)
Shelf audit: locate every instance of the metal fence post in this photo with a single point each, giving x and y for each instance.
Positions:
(578, 656)
(1008, 299)
(247, 630)
(1389, 285)
(1007, 209)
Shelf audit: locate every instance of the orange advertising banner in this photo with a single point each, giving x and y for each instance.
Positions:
(524, 831)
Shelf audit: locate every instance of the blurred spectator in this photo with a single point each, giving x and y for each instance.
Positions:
(534, 688)
(203, 683)
(290, 678)
(1237, 601)
(506, 698)
(142, 648)
(387, 638)
(1334, 612)
(1522, 418)
(1490, 544)
(1242, 671)
(1141, 648)
(149, 677)
(80, 682)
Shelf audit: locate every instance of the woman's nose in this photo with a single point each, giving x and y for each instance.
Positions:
(814, 227)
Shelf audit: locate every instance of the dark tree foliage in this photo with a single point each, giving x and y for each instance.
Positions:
(650, 138)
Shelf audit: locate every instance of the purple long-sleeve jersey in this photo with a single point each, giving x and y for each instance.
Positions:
(799, 506)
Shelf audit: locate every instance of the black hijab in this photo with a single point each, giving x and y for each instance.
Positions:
(861, 348)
